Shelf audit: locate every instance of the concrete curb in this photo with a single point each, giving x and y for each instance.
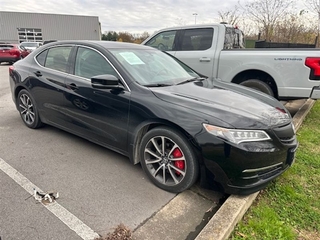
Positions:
(231, 212)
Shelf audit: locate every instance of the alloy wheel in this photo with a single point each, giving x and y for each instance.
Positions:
(26, 109)
(165, 160)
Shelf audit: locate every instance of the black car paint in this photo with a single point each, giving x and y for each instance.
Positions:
(118, 118)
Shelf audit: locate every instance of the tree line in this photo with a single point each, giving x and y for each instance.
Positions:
(287, 21)
(124, 37)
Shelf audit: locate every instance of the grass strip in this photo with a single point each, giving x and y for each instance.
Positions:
(289, 208)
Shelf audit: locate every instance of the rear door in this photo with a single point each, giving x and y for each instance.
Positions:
(196, 47)
(46, 82)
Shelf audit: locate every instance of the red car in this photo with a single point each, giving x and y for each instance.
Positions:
(12, 52)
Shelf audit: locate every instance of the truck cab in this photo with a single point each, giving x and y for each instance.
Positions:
(196, 45)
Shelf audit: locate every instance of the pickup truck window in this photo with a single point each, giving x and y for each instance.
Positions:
(163, 41)
(196, 39)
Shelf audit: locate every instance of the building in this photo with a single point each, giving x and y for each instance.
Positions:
(16, 27)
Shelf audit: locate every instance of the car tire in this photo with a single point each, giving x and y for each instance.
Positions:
(28, 110)
(258, 85)
(168, 159)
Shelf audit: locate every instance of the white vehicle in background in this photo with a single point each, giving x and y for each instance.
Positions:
(31, 45)
(217, 50)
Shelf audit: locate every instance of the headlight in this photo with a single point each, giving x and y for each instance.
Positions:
(237, 136)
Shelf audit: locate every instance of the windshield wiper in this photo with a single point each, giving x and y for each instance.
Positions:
(191, 80)
(157, 85)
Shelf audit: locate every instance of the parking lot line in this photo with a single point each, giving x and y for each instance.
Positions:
(75, 224)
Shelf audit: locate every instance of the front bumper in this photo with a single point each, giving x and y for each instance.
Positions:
(248, 167)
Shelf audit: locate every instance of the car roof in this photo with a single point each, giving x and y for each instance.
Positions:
(104, 44)
(8, 44)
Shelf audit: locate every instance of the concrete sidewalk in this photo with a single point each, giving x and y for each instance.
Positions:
(231, 212)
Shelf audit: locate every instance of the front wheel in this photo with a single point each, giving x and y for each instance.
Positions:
(28, 110)
(168, 159)
(258, 85)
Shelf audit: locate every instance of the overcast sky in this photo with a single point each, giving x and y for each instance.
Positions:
(134, 16)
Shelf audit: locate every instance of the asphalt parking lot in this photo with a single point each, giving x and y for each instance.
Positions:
(98, 188)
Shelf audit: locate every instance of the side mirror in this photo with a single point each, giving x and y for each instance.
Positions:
(106, 81)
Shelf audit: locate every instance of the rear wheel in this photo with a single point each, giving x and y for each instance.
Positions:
(28, 110)
(258, 85)
(168, 159)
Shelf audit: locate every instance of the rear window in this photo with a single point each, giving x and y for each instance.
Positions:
(234, 38)
(30, 44)
(6, 47)
(197, 39)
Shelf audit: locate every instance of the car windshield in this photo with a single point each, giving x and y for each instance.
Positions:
(153, 67)
(29, 44)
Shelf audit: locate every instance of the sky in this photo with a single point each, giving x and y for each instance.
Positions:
(133, 16)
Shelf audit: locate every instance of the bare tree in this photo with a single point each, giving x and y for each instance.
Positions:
(314, 6)
(230, 16)
(267, 13)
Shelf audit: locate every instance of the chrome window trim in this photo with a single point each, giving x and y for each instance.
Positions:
(60, 45)
(84, 46)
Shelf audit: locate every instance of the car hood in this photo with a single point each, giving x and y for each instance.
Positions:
(238, 107)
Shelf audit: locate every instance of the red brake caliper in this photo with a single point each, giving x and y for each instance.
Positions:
(180, 163)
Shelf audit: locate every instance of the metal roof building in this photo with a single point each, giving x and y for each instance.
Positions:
(18, 27)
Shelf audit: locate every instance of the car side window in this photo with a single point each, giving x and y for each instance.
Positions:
(90, 63)
(57, 58)
(198, 39)
(41, 58)
(163, 41)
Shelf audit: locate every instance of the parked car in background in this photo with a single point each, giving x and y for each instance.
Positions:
(217, 50)
(12, 52)
(153, 108)
(31, 45)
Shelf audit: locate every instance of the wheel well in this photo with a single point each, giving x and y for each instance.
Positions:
(259, 75)
(17, 90)
(147, 128)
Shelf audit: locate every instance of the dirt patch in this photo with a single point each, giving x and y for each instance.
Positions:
(121, 232)
(308, 235)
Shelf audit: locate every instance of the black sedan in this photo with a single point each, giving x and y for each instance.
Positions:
(147, 105)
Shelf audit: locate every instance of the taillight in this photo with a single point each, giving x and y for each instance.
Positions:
(314, 64)
(11, 68)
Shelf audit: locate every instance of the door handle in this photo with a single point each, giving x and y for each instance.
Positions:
(205, 59)
(72, 86)
(38, 73)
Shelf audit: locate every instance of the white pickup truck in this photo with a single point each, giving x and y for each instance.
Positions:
(216, 50)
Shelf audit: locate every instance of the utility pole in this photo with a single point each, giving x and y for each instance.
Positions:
(195, 17)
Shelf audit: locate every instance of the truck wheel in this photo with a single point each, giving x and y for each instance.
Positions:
(258, 85)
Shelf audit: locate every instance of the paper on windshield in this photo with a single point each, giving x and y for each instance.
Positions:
(131, 58)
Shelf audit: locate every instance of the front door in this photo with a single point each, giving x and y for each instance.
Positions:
(100, 115)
